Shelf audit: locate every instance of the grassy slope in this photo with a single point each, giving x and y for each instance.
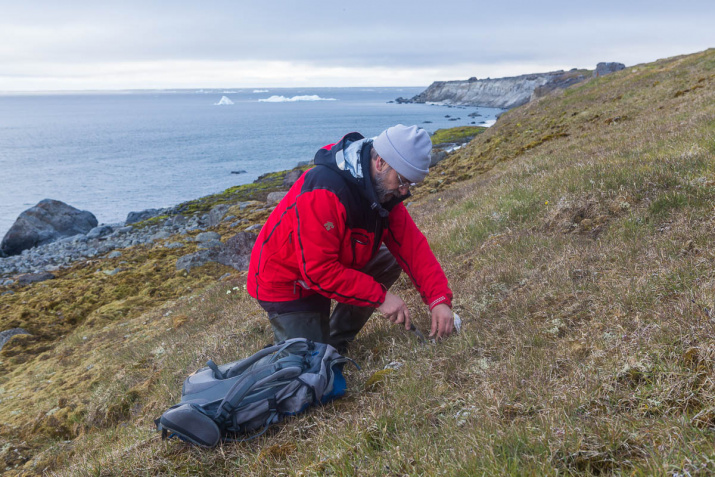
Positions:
(581, 256)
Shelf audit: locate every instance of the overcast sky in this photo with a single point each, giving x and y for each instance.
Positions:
(77, 45)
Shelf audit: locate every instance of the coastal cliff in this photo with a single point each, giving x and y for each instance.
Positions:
(505, 93)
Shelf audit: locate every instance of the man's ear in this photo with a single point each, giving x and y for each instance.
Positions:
(380, 164)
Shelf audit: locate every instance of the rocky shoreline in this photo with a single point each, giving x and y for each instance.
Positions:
(99, 241)
(170, 227)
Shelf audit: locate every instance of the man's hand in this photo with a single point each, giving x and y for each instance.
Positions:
(442, 321)
(395, 310)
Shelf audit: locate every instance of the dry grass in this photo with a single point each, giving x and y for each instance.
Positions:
(581, 255)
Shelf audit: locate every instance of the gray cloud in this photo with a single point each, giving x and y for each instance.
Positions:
(389, 34)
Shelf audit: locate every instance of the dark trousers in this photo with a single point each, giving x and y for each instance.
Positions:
(311, 318)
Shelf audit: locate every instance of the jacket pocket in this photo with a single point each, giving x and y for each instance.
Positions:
(361, 249)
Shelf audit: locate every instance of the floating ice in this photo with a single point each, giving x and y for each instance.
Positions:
(224, 101)
(260, 90)
(283, 99)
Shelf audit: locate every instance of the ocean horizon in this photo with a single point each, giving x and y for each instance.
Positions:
(114, 152)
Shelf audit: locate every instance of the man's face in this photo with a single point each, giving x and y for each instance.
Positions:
(388, 184)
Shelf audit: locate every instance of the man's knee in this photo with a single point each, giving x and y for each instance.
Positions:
(301, 324)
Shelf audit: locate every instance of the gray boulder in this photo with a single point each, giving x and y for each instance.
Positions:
(236, 252)
(7, 334)
(292, 177)
(217, 213)
(161, 235)
(134, 217)
(44, 223)
(99, 231)
(207, 237)
(73, 239)
(275, 197)
(197, 259)
(178, 220)
(603, 69)
(28, 278)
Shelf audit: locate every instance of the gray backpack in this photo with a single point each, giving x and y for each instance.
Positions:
(218, 402)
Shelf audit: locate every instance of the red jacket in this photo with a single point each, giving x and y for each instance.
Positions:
(330, 225)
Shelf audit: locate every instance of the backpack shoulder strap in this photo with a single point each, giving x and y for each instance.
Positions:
(275, 350)
(288, 367)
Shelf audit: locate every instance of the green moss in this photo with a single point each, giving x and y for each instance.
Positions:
(441, 136)
(152, 221)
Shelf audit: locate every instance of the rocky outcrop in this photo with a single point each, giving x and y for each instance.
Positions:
(502, 93)
(490, 93)
(44, 223)
(603, 69)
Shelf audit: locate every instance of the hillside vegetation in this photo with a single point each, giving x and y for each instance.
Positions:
(578, 234)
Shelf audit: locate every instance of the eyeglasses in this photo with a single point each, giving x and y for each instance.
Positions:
(403, 184)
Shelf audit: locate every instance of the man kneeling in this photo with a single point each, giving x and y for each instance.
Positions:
(343, 233)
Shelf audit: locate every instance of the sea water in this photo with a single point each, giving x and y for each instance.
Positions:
(112, 153)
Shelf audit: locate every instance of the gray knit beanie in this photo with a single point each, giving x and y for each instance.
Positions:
(406, 149)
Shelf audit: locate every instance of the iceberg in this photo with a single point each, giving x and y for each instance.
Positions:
(260, 90)
(283, 99)
(224, 101)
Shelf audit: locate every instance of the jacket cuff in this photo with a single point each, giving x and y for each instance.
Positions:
(383, 293)
(439, 301)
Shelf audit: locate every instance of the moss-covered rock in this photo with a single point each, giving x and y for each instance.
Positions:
(457, 134)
